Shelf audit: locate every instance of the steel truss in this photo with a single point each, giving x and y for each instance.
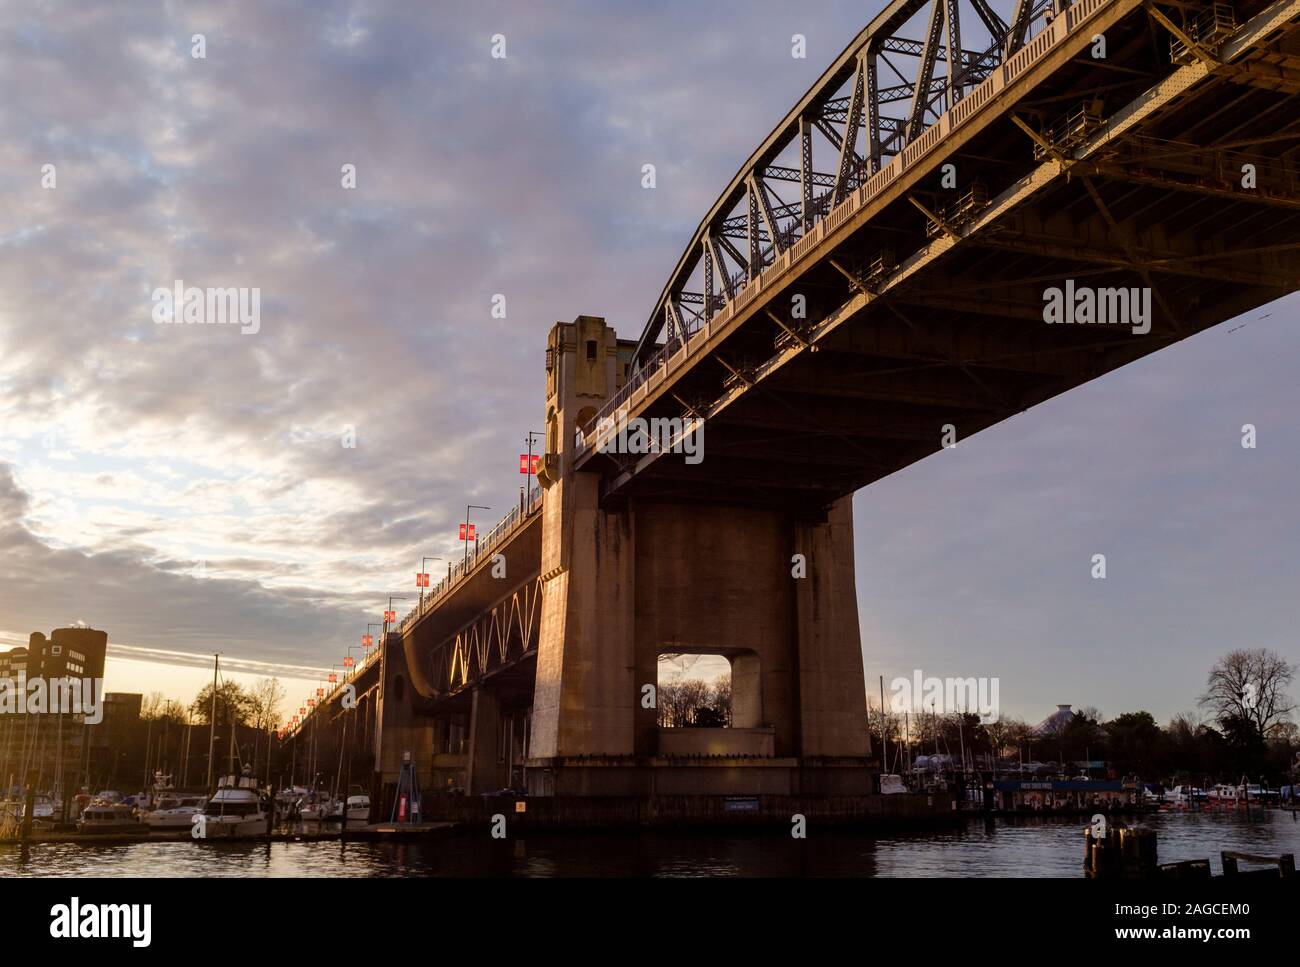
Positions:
(499, 637)
(754, 222)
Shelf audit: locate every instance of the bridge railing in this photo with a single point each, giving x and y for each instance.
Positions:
(506, 526)
(674, 353)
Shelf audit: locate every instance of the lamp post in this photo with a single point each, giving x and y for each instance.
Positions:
(422, 578)
(372, 624)
(390, 614)
(467, 531)
(529, 469)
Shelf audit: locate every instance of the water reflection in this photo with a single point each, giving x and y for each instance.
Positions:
(1016, 847)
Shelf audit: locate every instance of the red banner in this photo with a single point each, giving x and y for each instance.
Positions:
(523, 463)
(422, 580)
(390, 616)
(466, 532)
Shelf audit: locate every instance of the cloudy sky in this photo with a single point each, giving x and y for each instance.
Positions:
(188, 489)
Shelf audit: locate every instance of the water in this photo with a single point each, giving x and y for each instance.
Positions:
(1007, 847)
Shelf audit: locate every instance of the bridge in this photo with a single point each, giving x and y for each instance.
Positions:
(974, 209)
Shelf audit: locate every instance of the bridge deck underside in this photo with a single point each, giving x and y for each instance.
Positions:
(963, 340)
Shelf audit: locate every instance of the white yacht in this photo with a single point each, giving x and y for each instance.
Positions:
(173, 812)
(1226, 795)
(1184, 795)
(358, 809)
(235, 810)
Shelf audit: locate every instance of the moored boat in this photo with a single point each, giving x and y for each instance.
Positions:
(105, 817)
(173, 812)
(358, 809)
(235, 810)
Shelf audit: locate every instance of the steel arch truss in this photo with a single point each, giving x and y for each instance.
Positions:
(908, 66)
(498, 638)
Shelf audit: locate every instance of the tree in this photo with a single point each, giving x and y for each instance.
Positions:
(265, 698)
(1250, 685)
(694, 702)
(151, 705)
(233, 704)
(1134, 743)
(1017, 736)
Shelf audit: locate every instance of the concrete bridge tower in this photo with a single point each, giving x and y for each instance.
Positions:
(627, 580)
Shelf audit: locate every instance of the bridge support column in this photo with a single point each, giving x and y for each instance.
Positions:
(399, 728)
(832, 704)
(769, 588)
(484, 719)
(584, 696)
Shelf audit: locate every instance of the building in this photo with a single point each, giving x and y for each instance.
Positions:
(1054, 724)
(67, 653)
(13, 663)
(114, 741)
(52, 747)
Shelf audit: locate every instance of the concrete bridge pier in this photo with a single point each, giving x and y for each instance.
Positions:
(401, 726)
(484, 741)
(769, 588)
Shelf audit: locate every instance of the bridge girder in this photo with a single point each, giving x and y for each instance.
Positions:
(1130, 202)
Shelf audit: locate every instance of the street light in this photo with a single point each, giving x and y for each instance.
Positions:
(391, 612)
(422, 578)
(467, 530)
(529, 467)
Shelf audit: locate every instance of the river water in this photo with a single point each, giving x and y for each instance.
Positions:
(1004, 847)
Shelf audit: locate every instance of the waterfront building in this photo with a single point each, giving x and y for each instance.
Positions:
(51, 745)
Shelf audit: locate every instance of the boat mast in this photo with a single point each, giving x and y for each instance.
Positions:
(212, 717)
(884, 727)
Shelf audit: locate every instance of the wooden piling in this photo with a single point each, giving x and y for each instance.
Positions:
(1123, 853)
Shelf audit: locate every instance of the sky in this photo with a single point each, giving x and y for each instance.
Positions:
(191, 489)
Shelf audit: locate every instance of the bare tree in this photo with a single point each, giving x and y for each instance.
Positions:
(1250, 685)
(266, 695)
(151, 706)
(693, 701)
(1018, 736)
(1003, 733)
